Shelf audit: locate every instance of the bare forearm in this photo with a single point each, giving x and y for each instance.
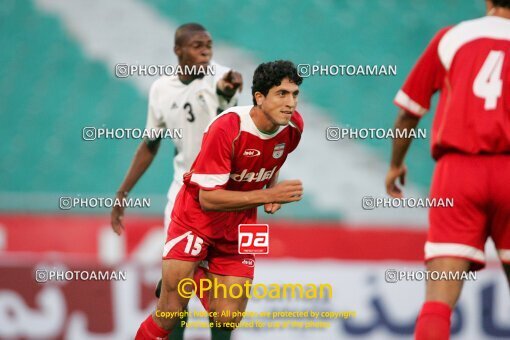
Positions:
(229, 200)
(404, 121)
(143, 158)
(274, 180)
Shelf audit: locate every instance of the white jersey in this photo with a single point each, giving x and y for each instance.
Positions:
(191, 107)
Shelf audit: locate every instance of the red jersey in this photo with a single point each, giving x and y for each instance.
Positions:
(470, 64)
(234, 155)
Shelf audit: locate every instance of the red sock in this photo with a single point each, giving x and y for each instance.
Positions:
(200, 274)
(433, 322)
(149, 330)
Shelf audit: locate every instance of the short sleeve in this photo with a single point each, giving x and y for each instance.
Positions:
(154, 119)
(424, 80)
(213, 165)
(298, 125)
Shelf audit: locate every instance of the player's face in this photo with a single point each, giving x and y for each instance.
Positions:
(280, 102)
(196, 50)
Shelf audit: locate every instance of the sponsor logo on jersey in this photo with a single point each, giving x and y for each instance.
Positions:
(278, 150)
(249, 262)
(246, 176)
(251, 153)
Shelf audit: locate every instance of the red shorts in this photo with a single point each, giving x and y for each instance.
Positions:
(480, 188)
(221, 256)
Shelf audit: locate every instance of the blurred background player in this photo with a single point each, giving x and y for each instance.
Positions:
(470, 65)
(185, 101)
(242, 152)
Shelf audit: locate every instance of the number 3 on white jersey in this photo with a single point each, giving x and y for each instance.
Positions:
(488, 83)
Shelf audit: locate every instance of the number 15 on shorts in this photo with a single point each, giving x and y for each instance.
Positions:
(253, 239)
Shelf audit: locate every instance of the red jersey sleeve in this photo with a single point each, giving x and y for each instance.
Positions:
(424, 80)
(297, 124)
(213, 164)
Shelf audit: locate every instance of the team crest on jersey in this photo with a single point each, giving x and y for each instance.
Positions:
(201, 99)
(278, 150)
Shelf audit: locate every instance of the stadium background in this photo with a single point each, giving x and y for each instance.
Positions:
(57, 76)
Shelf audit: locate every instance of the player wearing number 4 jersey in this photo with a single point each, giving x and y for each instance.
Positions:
(470, 65)
(236, 171)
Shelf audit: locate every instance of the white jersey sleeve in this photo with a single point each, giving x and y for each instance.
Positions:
(154, 118)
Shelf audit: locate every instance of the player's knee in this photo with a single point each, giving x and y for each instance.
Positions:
(171, 285)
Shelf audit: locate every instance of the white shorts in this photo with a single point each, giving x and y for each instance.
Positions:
(172, 193)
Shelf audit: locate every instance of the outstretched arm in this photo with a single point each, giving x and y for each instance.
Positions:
(404, 121)
(144, 156)
(229, 83)
(229, 200)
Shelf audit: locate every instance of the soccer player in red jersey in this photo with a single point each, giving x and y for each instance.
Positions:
(235, 171)
(469, 64)
(186, 101)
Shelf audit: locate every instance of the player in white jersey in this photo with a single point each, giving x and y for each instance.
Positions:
(185, 101)
(189, 107)
(188, 102)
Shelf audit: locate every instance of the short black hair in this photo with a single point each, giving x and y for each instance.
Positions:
(183, 32)
(501, 3)
(268, 75)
